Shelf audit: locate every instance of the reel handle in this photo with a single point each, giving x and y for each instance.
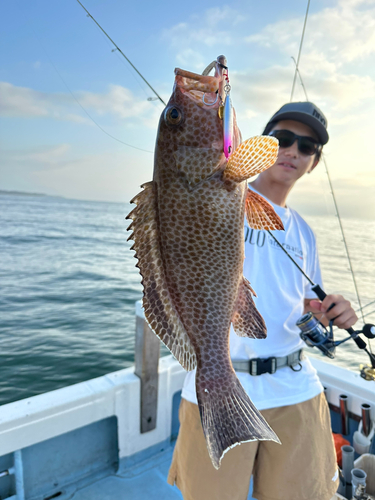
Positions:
(369, 331)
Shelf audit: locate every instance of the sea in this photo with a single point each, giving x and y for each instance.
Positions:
(68, 288)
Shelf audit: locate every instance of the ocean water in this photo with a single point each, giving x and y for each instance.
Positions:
(68, 287)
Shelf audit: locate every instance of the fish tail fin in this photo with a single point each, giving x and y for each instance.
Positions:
(229, 417)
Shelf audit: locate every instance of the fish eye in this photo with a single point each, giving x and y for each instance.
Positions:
(173, 115)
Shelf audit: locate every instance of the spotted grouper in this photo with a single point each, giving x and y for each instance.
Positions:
(187, 229)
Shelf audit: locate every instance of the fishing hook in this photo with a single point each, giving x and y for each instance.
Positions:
(210, 103)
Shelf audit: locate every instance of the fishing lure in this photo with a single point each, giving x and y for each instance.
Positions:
(227, 119)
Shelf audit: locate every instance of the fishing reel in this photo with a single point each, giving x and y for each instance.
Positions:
(315, 334)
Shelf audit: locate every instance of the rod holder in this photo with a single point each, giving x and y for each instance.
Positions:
(344, 414)
(347, 462)
(358, 484)
(366, 418)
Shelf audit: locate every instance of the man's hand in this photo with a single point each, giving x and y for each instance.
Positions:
(344, 314)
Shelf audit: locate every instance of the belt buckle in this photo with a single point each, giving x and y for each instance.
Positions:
(258, 366)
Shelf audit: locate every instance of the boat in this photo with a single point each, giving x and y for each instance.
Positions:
(112, 437)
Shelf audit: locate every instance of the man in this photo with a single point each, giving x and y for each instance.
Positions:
(290, 398)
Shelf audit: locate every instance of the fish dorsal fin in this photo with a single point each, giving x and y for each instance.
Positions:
(159, 310)
(196, 164)
(247, 320)
(260, 214)
(251, 157)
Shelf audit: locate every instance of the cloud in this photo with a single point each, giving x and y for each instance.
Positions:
(345, 32)
(267, 89)
(206, 32)
(21, 101)
(42, 157)
(118, 102)
(192, 59)
(205, 29)
(338, 42)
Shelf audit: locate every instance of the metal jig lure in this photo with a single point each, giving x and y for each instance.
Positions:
(227, 119)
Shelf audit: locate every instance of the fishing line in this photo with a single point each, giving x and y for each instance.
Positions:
(80, 105)
(299, 51)
(136, 79)
(368, 314)
(369, 304)
(121, 52)
(299, 74)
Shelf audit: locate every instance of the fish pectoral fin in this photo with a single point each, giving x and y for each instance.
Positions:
(260, 214)
(251, 157)
(228, 416)
(197, 164)
(159, 309)
(247, 320)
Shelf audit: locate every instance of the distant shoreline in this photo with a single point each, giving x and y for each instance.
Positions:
(57, 196)
(22, 193)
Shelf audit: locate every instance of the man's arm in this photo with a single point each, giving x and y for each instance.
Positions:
(344, 314)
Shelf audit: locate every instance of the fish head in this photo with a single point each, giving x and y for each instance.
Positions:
(191, 125)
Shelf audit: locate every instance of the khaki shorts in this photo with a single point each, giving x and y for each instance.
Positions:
(302, 468)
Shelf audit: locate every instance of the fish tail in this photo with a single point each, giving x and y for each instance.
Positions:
(228, 417)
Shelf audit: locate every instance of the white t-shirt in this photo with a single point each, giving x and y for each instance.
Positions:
(281, 289)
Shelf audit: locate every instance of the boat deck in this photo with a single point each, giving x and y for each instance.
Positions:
(145, 480)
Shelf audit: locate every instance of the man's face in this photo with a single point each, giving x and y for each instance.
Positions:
(291, 164)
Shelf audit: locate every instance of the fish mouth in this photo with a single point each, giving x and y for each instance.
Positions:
(200, 88)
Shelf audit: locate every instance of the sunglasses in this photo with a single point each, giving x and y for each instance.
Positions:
(306, 145)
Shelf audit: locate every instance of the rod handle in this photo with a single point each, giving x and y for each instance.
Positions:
(319, 292)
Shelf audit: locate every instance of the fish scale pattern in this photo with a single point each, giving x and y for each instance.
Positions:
(196, 164)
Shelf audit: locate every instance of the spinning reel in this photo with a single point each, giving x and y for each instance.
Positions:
(315, 334)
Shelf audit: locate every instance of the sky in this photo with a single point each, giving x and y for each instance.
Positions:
(64, 91)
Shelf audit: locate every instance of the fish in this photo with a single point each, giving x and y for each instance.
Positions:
(187, 229)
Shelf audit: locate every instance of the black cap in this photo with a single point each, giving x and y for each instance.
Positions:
(305, 112)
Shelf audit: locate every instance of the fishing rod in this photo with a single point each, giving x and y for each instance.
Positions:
(337, 211)
(297, 71)
(121, 52)
(300, 50)
(368, 330)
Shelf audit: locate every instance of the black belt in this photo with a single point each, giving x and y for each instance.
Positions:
(257, 366)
